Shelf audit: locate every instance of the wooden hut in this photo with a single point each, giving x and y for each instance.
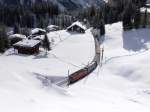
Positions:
(77, 27)
(27, 46)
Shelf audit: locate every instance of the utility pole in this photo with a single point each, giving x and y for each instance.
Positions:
(102, 56)
(68, 78)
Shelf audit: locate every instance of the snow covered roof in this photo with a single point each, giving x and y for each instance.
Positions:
(78, 24)
(27, 43)
(148, 5)
(40, 37)
(143, 9)
(17, 36)
(10, 33)
(53, 26)
(36, 30)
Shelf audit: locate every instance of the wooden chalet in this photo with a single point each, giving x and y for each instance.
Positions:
(27, 46)
(77, 27)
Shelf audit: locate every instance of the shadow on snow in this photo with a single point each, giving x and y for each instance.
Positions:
(135, 40)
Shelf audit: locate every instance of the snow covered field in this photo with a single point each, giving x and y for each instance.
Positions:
(121, 85)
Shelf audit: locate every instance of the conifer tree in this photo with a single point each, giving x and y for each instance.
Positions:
(2, 43)
(25, 31)
(137, 18)
(46, 43)
(102, 28)
(16, 28)
(92, 11)
(3, 39)
(128, 16)
(145, 19)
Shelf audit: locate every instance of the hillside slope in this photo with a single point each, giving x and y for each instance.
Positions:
(121, 85)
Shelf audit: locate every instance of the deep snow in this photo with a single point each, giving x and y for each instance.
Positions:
(121, 85)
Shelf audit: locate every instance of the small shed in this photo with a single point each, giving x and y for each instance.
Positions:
(14, 38)
(38, 31)
(27, 46)
(77, 27)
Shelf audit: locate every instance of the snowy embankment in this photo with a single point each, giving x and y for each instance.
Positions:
(121, 85)
(18, 84)
(69, 52)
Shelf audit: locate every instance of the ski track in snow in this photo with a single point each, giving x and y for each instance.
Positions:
(124, 56)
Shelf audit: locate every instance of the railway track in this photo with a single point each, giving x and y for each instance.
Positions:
(87, 70)
(78, 75)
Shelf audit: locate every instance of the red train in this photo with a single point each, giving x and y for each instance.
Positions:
(79, 75)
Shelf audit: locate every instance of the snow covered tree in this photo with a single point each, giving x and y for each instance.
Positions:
(25, 31)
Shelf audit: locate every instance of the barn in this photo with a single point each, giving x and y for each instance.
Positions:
(27, 46)
(77, 27)
(14, 38)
